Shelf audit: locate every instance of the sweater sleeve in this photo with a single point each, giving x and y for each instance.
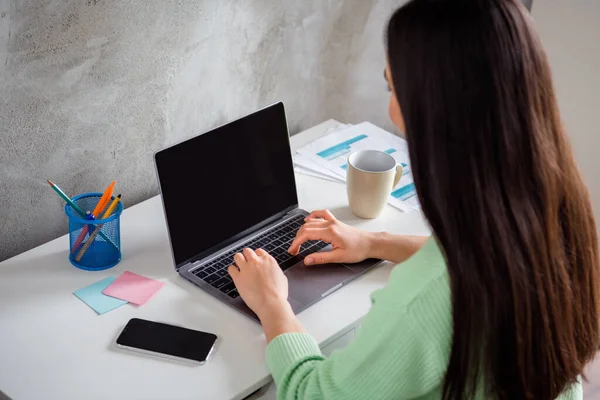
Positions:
(393, 356)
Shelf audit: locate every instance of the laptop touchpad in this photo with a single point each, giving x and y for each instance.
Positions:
(309, 283)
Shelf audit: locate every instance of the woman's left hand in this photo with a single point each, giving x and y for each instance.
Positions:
(259, 280)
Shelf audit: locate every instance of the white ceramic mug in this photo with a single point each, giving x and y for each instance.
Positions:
(371, 176)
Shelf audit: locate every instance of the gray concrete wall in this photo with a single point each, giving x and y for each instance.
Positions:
(89, 89)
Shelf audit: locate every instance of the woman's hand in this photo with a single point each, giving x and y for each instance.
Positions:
(259, 280)
(348, 244)
(264, 288)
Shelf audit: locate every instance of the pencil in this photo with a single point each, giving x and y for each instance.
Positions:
(91, 238)
(66, 198)
(104, 200)
(97, 210)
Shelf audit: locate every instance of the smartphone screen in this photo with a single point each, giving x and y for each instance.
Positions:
(166, 339)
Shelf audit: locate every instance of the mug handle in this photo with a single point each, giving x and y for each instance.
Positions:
(398, 175)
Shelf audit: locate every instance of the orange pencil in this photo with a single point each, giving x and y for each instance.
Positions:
(97, 210)
(104, 200)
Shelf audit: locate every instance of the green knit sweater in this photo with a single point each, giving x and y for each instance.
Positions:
(400, 352)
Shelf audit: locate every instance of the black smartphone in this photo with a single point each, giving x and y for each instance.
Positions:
(167, 341)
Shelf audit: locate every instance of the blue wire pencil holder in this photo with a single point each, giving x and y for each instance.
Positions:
(104, 235)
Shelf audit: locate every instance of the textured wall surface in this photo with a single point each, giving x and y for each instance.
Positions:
(89, 89)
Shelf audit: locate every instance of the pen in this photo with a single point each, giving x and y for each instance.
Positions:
(97, 210)
(91, 238)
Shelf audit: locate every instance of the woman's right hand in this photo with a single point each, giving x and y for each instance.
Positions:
(348, 244)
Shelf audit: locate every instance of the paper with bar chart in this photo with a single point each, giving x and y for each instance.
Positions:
(328, 156)
(306, 166)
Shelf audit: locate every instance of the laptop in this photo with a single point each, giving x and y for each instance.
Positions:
(234, 187)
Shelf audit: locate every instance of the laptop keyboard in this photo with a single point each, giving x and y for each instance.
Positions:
(275, 242)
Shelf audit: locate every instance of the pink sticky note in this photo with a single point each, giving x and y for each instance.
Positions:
(133, 288)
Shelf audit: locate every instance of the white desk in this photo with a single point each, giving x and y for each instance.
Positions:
(52, 346)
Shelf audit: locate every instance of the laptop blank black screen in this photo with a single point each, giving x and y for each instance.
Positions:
(221, 183)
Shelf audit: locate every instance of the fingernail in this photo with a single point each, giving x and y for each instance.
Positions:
(308, 261)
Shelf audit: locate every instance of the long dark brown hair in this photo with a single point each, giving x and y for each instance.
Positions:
(498, 183)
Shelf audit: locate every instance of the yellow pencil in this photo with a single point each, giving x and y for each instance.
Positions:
(112, 207)
(91, 238)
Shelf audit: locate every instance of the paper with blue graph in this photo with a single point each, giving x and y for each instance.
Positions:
(328, 157)
(306, 166)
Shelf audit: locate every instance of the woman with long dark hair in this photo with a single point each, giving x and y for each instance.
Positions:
(503, 300)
